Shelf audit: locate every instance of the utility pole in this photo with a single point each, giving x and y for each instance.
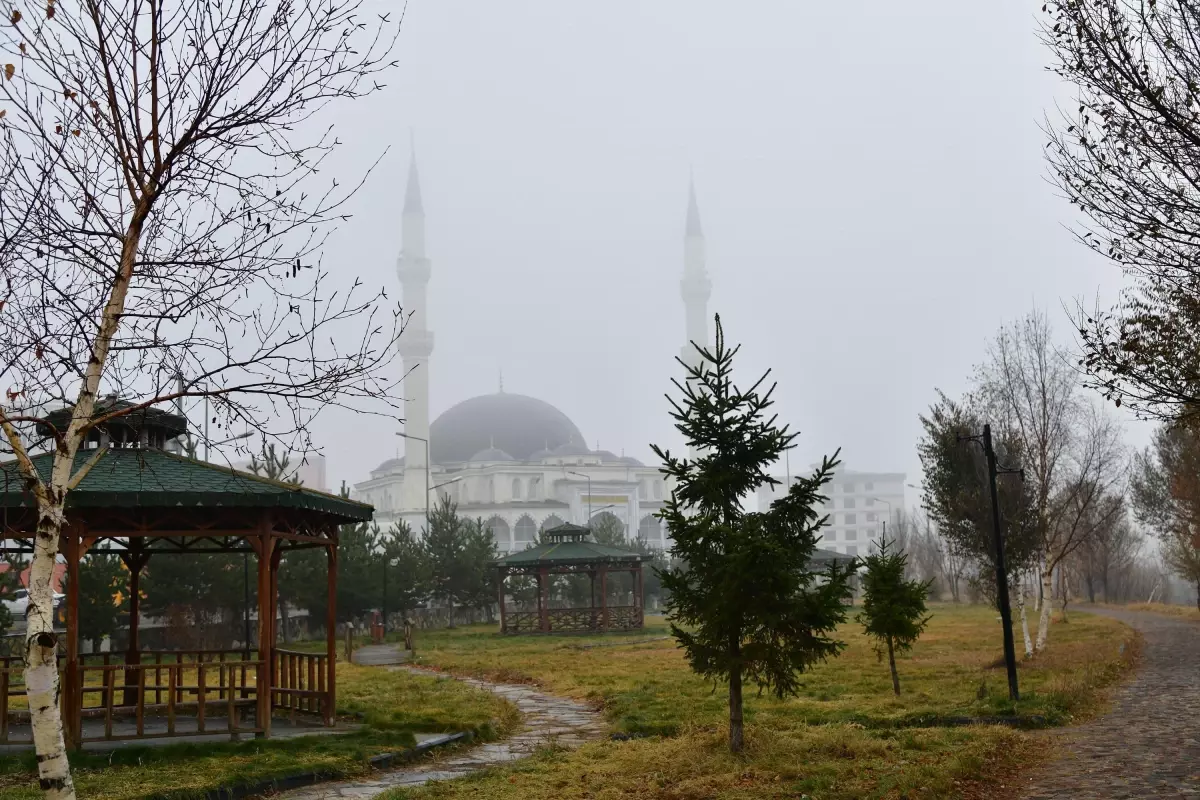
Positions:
(1010, 650)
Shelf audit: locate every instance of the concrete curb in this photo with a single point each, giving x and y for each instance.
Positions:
(381, 761)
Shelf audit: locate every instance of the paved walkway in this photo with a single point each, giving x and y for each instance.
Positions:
(547, 718)
(1149, 744)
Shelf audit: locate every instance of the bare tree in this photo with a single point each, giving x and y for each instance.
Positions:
(161, 221)
(1125, 154)
(1166, 496)
(1071, 453)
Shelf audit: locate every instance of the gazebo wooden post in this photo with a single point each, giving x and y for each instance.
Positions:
(604, 599)
(330, 706)
(543, 600)
(266, 636)
(135, 561)
(639, 593)
(502, 575)
(592, 598)
(71, 696)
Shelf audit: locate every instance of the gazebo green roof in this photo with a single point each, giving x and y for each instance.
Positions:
(566, 545)
(130, 477)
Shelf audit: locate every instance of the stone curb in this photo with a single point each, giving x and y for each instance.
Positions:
(381, 761)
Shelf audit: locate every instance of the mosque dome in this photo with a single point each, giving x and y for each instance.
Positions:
(391, 463)
(572, 448)
(515, 424)
(492, 454)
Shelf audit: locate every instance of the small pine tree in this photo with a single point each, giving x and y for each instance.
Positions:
(747, 604)
(893, 609)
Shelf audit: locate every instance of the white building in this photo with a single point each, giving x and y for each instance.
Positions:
(517, 462)
(859, 504)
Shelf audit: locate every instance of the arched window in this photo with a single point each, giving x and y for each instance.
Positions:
(650, 530)
(535, 488)
(525, 532)
(516, 489)
(552, 521)
(498, 528)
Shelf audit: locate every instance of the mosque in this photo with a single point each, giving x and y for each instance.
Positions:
(516, 462)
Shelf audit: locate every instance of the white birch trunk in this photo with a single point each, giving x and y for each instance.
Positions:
(1024, 618)
(1047, 575)
(41, 661)
(41, 645)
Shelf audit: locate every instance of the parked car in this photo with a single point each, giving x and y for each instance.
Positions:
(17, 604)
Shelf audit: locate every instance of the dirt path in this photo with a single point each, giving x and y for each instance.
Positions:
(1148, 745)
(546, 718)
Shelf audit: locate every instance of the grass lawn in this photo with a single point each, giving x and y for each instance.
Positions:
(392, 706)
(846, 736)
(1171, 610)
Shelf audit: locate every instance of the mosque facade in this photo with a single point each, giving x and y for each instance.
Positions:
(514, 461)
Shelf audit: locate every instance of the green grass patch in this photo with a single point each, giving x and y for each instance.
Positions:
(390, 706)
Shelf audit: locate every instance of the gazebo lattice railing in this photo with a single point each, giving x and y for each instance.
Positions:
(144, 503)
(567, 550)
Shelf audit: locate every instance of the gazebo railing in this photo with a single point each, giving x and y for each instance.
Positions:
(299, 684)
(179, 692)
(574, 620)
(197, 694)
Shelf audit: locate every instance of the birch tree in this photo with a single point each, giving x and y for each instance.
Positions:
(1071, 452)
(161, 224)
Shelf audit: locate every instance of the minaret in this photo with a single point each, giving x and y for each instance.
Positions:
(695, 286)
(416, 343)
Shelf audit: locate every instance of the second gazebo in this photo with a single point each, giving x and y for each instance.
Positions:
(568, 550)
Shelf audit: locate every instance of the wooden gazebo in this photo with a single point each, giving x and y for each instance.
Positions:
(568, 550)
(143, 503)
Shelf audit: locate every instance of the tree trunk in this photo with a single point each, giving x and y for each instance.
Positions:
(1090, 583)
(1198, 595)
(1024, 617)
(892, 665)
(41, 661)
(1047, 592)
(736, 732)
(283, 621)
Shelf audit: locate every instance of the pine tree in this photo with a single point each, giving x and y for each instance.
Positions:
(893, 609)
(103, 598)
(407, 569)
(747, 605)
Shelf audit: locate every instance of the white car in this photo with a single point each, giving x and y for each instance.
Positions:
(17, 604)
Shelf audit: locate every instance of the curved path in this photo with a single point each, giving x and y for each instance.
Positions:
(567, 723)
(1148, 745)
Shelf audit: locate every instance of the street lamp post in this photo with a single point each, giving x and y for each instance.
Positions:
(587, 478)
(883, 537)
(1010, 652)
(427, 489)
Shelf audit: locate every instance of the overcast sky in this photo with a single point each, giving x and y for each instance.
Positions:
(870, 180)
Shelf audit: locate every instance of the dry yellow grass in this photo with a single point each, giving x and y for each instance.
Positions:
(847, 735)
(1186, 612)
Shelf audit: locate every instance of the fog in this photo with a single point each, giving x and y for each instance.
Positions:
(869, 176)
